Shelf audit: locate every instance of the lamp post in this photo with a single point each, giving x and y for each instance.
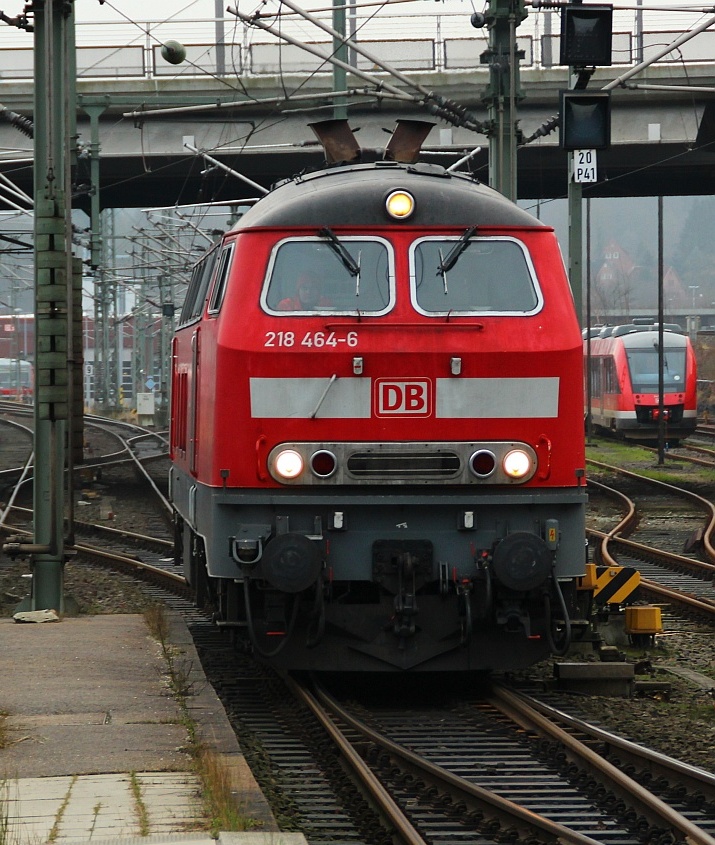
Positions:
(693, 288)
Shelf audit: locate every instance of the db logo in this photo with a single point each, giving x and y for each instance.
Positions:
(403, 398)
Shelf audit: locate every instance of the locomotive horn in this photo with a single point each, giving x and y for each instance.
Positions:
(291, 563)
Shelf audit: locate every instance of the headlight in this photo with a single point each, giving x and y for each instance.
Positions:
(288, 464)
(517, 463)
(400, 205)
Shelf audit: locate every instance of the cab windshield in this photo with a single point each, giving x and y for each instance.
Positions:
(643, 365)
(471, 275)
(332, 274)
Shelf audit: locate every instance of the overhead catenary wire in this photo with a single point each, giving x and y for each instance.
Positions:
(15, 190)
(684, 89)
(463, 160)
(7, 193)
(681, 39)
(197, 229)
(621, 7)
(535, 4)
(436, 104)
(251, 20)
(358, 47)
(227, 169)
(180, 208)
(259, 101)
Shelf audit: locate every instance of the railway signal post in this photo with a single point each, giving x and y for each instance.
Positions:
(586, 36)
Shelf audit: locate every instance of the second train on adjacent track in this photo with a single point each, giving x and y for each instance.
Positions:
(624, 365)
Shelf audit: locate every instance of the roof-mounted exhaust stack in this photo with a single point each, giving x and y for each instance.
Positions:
(341, 147)
(338, 141)
(406, 141)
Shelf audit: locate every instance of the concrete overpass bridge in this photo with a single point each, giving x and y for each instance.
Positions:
(252, 102)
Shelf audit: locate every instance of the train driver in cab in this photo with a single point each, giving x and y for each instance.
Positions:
(308, 295)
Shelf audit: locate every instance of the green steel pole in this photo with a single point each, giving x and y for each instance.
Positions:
(95, 249)
(340, 51)
(503, 92)
(95, 231)
(52, 19)
(575, 196)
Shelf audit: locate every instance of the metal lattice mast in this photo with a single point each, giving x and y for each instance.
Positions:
(53, 41)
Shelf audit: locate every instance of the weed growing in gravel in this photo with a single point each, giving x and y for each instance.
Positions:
(644, 461)
(218, 794)
(6, 833)
(139, 805)
(696, 706)
(4, 738)
(616, 452)
(219, 800)
(157, 623)
(55, 831)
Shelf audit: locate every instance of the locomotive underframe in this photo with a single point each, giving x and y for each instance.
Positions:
(381, 579)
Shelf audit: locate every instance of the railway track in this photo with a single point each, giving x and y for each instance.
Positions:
(127, 453)
(463, 767)
(685, 580)
(468, 768)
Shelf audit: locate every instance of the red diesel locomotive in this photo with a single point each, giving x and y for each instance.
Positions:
(377, 425)
(625, 394)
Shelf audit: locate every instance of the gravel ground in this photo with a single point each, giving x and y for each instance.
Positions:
(679, 721)
(114, 489)
(95, 590)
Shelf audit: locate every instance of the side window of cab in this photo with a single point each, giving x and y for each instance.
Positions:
(221, 279)
(198, 287)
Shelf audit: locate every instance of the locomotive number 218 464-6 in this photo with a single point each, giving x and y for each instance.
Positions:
(316, 340)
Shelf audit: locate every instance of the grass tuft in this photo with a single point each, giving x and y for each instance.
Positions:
(220, 805)
(4, 731)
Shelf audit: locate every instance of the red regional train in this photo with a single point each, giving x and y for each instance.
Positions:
(16, 379)
(377, 424)
(625, 395)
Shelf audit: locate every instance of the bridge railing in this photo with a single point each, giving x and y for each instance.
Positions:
(437, 43)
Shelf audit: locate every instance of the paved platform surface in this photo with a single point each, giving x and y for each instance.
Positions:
(95, 747)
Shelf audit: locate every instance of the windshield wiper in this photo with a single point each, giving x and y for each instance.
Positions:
(447, 263)
(340, 250)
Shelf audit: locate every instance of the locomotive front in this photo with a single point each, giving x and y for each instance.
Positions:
(377, 427)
